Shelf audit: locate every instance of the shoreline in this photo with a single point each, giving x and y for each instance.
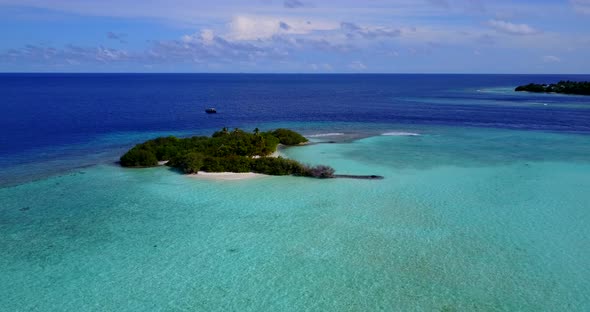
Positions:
(226, 176)
(230, 176)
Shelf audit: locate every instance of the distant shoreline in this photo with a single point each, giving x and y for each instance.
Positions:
(562, 87)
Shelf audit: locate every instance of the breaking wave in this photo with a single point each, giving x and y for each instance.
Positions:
(319, 135)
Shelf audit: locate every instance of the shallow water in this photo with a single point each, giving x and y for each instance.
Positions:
(484, 205)
(466, 219)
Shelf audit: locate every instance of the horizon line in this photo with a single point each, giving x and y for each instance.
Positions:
(287, 73)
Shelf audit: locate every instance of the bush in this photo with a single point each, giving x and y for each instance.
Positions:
(137, 157)
(268, 144)
(276, 166)
(289, 137)
(321, 171)
(212, 164)
(236, 164)
(188, 163)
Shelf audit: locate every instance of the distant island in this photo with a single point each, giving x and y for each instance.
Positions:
(565, 87)
(234, 151)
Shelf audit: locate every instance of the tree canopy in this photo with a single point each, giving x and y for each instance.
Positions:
(225, 151)
(565, 87)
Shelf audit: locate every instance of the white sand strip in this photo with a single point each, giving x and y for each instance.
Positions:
(226, 176)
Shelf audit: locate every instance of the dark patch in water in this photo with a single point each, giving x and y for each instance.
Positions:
(360, 177)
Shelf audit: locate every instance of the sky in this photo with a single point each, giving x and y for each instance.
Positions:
(296, 36)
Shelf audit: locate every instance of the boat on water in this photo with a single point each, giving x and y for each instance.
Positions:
(210, 110)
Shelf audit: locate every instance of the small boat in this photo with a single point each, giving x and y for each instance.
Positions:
(210, 110)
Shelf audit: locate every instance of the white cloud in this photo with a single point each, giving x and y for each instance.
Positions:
(581, 6)
(321, 67)
(70, 54)
(357, 66)
(244, 27)
(551, 59)
(353, 30)
(439, 3)
(293, 4)
(117, 36)
(265, 32)
(511, 28)
(206, 37)
(392, 53)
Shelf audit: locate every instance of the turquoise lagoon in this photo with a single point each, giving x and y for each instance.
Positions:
(466, 219)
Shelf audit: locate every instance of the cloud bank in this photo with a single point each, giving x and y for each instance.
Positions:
(296, 35)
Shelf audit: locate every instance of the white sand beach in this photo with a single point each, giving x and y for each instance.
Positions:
(226, 176)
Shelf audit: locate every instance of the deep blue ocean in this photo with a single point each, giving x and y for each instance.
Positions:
(41, 110)
(484, 205)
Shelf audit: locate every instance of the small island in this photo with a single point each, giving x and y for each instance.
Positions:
(564, 87)
(226, 151)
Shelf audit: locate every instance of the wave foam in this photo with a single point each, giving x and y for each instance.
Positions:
(324, 135)
(400, 133)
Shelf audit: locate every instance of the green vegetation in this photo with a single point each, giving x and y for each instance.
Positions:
(225, 151)
(139, 158)
(288, 137)
(565, 87)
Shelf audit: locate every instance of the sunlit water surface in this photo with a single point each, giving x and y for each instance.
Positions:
(473, 220)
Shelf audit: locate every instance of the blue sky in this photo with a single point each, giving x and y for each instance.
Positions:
(295, 36)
